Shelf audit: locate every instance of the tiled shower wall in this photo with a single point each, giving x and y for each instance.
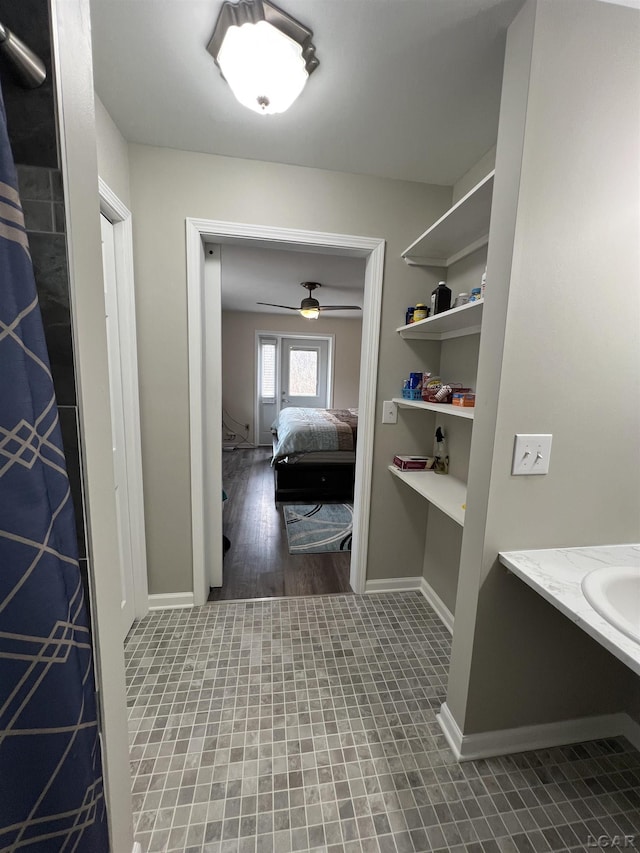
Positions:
(31, 117)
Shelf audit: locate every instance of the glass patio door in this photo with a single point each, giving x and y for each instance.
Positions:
(304, 372)
(291, 372)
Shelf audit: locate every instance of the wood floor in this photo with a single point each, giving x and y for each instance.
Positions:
(258, 563)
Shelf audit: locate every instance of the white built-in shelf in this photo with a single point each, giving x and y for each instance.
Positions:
(440, 408)
(463, 229)
(442, 490)
(455, 323)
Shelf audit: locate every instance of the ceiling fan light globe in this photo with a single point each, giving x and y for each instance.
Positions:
(264, 68)
(310, 313)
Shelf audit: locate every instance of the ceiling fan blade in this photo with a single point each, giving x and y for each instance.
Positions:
(340, 308)
(273, 305)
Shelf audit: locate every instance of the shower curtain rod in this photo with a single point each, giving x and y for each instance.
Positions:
(29, 66)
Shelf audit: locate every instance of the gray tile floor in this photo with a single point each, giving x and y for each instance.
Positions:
(308, 724)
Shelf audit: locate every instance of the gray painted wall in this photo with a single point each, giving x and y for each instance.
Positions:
(113, 154)
(166, 187)
(476, 173)
(562, 317)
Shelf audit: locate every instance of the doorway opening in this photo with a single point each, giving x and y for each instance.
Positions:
(295, 544)
(205, 360)
(287, 511)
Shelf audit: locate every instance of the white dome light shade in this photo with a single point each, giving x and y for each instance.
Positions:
(264, 68)
(265, 55)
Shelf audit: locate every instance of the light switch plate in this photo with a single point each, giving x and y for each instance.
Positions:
(389, 412)
(531, 454)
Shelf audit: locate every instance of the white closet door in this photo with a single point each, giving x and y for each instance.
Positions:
(127, 605)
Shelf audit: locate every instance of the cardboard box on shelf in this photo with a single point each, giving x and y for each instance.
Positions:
(458, 399)
(413, 463)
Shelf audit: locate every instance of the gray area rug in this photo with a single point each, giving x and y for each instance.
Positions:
(318, 528)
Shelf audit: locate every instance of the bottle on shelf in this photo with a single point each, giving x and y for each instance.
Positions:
(420, 312)
(440, 298)
(441, 464)
(483, 283)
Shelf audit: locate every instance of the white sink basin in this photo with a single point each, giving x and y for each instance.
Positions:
(614, 592)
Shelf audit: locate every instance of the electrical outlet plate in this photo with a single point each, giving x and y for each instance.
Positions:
(531, 454)
(389, 412)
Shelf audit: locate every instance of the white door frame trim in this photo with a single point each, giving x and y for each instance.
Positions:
(199, 231)
(120, 217)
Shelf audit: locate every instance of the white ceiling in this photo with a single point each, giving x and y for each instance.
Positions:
(270, 275)
(405, 89)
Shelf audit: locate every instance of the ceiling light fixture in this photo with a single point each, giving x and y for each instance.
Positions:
(265, 55)
(310, 308)
(310, 312)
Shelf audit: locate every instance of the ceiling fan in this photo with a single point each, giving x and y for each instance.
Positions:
(310, 308)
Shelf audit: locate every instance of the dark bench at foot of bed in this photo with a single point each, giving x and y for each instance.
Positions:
(313, 483)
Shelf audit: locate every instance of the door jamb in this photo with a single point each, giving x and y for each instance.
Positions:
(120, 217)
(200, 231)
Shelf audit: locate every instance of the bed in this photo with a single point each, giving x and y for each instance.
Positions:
(314, 454)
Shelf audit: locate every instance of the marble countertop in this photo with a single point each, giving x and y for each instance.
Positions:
(557, 573)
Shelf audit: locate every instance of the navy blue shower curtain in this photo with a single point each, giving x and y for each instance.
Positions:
(51, 789)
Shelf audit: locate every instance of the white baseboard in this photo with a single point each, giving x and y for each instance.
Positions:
(170, 600)
(631, 730)
(414, 584)
(451, 730)
(507, 741)
(393, 585)
(446, 616)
